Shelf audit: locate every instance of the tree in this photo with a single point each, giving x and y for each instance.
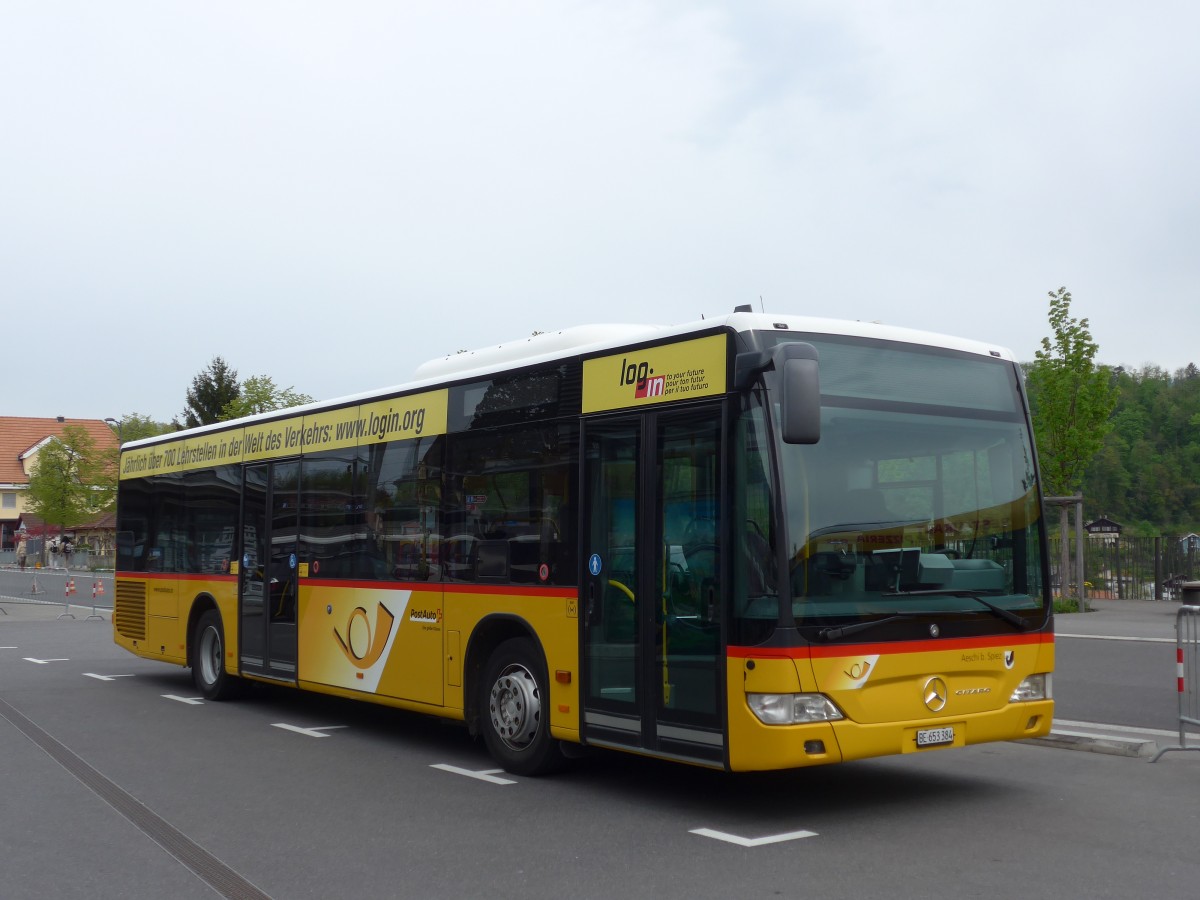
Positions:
(211, 390)
(259, 394)
(1073, 399)
(130, 427)
(72, 481)
(135, 426)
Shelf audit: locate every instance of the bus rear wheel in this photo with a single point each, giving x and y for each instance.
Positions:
(208, 660)
(515, 710)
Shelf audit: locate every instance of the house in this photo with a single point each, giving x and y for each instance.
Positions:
(99, 535)
(1104, 530)
(21, 439)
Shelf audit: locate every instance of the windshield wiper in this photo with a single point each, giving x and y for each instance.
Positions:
(1006, 614)
(832, 634)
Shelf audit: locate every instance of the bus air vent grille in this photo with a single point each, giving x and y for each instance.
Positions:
(129, 610)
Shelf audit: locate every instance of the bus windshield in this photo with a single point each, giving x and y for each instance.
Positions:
(920, 496)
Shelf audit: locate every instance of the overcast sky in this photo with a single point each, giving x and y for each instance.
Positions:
(331, 193)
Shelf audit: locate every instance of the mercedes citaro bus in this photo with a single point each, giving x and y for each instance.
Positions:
(752, 542)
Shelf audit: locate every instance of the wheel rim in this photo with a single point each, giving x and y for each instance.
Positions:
(210, 655)
(515, 706)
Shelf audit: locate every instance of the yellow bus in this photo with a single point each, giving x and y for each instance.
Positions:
(754, 542)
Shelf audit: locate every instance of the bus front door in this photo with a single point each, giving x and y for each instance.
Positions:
(267, 579)
(652, 622)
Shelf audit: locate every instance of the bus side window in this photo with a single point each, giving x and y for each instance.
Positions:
(492, 562)
(401, 488)
(506, 508)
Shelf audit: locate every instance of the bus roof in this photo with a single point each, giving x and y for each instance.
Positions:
(548, 346)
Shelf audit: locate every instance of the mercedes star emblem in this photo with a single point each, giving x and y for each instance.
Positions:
(935, 694)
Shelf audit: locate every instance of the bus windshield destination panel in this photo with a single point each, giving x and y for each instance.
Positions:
(603, 538)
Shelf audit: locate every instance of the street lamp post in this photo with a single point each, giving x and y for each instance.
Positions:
(116, 424)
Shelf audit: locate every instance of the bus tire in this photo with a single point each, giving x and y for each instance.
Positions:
(515, 707)
(208, 660)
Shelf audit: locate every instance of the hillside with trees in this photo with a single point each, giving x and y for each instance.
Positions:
(1146, 474)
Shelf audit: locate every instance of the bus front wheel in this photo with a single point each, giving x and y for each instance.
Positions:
(515, 706)
(208, 660)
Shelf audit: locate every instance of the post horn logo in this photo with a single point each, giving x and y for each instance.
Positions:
(363, 645)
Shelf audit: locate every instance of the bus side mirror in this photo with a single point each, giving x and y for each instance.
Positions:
(800, 393)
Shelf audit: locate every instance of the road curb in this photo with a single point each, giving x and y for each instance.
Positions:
(1094, 742)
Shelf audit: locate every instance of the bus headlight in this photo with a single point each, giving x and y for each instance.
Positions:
(793, 709)
(1035, 687)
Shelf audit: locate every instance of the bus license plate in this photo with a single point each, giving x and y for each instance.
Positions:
(932, 737)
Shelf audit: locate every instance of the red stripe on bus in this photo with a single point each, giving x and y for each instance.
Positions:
(172, 576)
(446, 587)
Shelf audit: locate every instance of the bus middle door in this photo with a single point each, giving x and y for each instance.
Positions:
(267, 580)
(652, 623)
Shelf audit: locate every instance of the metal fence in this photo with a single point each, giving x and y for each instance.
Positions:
(82, 560)
(1130, 568)
(1187, 671)
(67, 588)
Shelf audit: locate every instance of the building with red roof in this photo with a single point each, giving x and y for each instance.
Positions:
(21, 439)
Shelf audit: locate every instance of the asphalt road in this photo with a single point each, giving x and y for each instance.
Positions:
(79, 589)
(1116, 665)
(117, 783)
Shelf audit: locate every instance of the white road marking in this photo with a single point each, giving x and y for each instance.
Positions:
(105, 677)
(190, 701)
(309, 732)
(1158, 732)
(42, 662)
(1108, 637)
(752, 842)
(488, 775)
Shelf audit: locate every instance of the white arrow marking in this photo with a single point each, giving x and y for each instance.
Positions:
(190, 701)
(105, 677)
(310, 732)
(42, 662)
(753, 842)
(488, 775)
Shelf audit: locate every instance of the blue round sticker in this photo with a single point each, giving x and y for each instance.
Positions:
(292, 561)
(594, 564)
